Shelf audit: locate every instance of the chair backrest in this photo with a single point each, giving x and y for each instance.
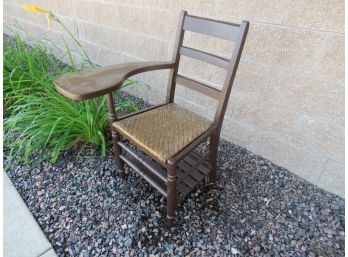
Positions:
(219, 29)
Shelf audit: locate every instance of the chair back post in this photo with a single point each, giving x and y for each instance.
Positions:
(224, 30)
(230, 76)
(176, 58)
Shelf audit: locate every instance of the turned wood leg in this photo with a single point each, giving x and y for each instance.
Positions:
(115, 136)
(117, 152)
(171, 192)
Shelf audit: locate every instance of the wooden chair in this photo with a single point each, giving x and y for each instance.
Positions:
(166, 135)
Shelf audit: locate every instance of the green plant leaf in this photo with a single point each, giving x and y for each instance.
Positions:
(36, 117)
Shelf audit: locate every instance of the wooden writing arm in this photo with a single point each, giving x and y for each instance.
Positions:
(104, 80)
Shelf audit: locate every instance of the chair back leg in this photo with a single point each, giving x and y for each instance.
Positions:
(171, 192)
(213, 150)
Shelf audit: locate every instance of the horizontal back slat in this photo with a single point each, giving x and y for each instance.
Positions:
(224, 30)
(204, 56)
(198, 86)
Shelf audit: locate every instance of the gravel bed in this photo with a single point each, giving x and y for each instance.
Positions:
(256, 209)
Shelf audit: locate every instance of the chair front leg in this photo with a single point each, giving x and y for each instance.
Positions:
(171, 192)
(115, 136)
(118, 152)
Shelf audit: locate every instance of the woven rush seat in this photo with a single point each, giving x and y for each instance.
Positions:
(164, 131)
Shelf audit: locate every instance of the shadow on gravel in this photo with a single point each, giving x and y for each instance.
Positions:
(256, 209)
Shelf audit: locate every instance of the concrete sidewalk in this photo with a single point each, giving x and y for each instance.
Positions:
(23, 237)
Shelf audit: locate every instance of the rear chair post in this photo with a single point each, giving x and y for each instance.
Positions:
(213, 151)
(115, 136)
(176, 58)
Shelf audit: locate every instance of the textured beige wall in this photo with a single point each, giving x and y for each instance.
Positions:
(287, 103)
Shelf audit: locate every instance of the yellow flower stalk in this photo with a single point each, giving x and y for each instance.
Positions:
(51, 16)
(48, 20)
(34, 8)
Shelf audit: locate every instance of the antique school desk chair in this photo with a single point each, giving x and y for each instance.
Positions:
(166, 135)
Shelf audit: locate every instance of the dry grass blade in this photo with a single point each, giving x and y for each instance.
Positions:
(192, 252)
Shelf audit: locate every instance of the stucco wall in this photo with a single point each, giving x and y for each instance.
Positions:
(287, 103)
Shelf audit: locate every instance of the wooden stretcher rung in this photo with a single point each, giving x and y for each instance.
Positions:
(193, 158)
(184, 166)
(182, 177)
(150, 165)
(190, 171)
(132, 162)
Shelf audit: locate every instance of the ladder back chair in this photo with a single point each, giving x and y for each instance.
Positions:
(166, 135)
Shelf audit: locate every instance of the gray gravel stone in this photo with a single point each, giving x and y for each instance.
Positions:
(256, 208)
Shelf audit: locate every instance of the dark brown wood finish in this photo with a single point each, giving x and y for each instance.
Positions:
(171, 191)
(198, 86)
(232, 70)
(190, 171)
(181, 173)
(103, 80)
(115, 136)
(139, 112)
(224, 30)
(204, 56)
(176, 58)
(149, 165)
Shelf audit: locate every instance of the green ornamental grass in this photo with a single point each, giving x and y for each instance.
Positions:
(36, 116)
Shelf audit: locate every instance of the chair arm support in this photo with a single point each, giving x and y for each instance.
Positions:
(104, 80)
